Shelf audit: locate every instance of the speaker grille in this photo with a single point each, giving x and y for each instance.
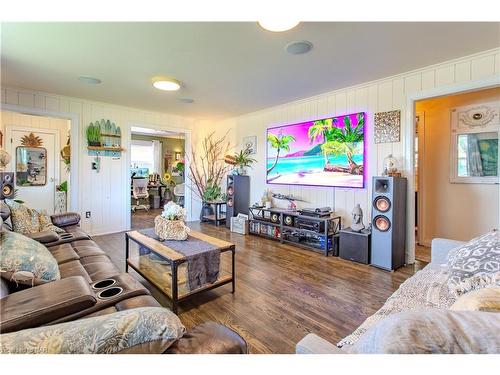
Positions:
(381, 223)
(382, 204)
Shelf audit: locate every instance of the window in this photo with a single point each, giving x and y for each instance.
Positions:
(141, 154)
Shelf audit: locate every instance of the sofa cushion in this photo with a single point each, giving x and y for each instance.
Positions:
(486, 299)
(26, 261)
(74, 268)
(432, 331)
(475, 264)
(63, 253)
(141, 330)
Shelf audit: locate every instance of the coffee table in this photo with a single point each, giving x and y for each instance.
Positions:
(169, 274)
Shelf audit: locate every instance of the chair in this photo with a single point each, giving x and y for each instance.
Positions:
(140, 191)
(179, 194)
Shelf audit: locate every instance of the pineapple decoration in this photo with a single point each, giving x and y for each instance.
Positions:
(31, 140)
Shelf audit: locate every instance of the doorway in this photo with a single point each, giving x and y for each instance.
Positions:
(456, 167)
(40, 159)
(157, 173)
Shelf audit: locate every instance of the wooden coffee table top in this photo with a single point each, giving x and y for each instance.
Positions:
(170, 253)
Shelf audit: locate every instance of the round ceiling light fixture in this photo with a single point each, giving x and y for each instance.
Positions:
(299, 47)
(166, 83)
(89, 80)
(278, 25)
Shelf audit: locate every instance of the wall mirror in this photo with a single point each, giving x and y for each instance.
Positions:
(31, 166)
(474, 144)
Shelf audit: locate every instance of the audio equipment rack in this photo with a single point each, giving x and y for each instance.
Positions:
(320, 234)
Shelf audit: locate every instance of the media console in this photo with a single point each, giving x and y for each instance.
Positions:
(309, 232)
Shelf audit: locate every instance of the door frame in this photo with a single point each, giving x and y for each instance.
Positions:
(57, 147)
(127, 140)
(74, 197)
(457, 88)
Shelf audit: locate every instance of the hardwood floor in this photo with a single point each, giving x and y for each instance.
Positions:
(423, 253)
(282, 292)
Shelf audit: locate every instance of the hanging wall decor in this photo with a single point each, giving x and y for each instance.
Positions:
(104, 139)
(31, 140)
(250, 143)
(387, 126)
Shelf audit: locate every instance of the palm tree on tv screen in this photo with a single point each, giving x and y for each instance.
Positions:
(346, 141)
(279, 142)
(320, 130)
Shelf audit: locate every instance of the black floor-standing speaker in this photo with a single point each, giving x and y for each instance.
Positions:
(6, 185)
(388, 222)
(238, 196)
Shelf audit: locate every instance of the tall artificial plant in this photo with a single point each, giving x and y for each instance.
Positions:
(207, 168)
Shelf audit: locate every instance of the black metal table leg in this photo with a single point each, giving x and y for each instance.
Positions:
(126, 251)
(174, 287)
(233, 267)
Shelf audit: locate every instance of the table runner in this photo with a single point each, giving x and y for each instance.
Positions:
(203, 258)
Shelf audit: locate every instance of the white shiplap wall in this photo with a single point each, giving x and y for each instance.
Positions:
(381, 95)
(101, 193)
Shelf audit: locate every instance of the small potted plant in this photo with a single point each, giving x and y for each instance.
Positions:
(94, 135)
(243, 161)
(170, 225)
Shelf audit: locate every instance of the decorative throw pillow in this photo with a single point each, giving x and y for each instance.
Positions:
(46, 224)
(475, 265)
(27, 220)
(486, 299)
(432, 331)
(135, 331)
(24, 220)
(26, 261)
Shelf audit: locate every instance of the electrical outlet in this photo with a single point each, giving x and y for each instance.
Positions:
(87, 214)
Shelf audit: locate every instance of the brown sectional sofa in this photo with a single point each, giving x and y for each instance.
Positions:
(82, 265)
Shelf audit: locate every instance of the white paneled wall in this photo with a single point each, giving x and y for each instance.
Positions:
(104, 194)
(381, 95)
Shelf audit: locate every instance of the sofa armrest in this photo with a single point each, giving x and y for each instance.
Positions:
(45, 303)
(47, 236)
(313, 344)
(65, 219)
(209, 338)
(440, 247)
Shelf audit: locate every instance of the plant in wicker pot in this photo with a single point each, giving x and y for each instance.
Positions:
(170, 225)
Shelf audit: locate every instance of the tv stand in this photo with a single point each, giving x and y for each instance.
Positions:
(320, 234)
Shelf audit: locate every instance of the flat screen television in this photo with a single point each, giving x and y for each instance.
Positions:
(326, 152)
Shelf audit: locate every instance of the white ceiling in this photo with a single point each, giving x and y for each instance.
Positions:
(154, 132)
(227, 68)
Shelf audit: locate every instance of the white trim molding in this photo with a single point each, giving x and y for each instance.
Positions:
(474, 85)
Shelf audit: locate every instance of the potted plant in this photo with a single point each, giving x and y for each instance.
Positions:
(243, 160)
(94, 135)
(207, 170)
(170, 224)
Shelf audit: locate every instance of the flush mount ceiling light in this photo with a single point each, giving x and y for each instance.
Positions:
(166, 83)
(278, 25)
(299, 47)
(89, 80)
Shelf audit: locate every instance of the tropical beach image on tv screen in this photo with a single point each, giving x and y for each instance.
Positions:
(327, 152)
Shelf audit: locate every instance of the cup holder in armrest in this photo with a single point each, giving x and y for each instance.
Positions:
(110, 292)
(103, 283)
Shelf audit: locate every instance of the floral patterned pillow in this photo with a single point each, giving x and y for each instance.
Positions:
(142, 330)
(27, 220)
(26, 261)
(475, 265)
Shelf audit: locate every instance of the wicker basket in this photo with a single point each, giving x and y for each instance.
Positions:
(171, 229)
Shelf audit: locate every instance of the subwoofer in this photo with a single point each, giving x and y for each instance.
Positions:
(7, 185)
(388, 243)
